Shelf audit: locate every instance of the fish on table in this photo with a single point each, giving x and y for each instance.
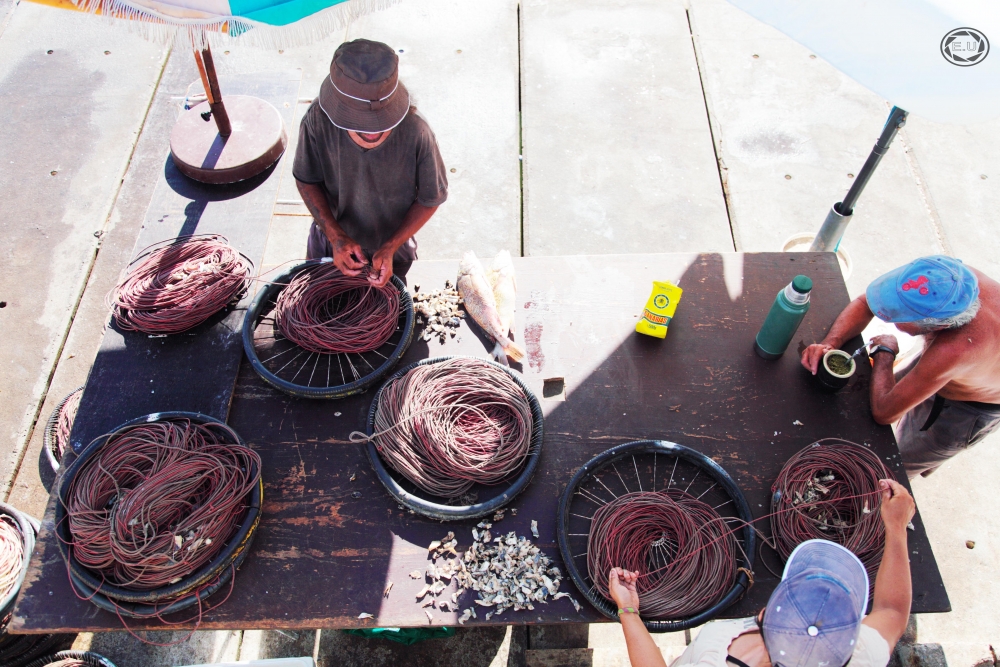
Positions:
(480, 302)
(501, 277)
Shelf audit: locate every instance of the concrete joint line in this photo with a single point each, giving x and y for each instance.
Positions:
(925, 195)
(714, 131)
(6, 18)
(32, 420)
(520, 128)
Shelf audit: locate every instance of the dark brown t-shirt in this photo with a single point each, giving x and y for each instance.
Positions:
(370, 190)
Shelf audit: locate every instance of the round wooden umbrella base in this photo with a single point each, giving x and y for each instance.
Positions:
(257, 141)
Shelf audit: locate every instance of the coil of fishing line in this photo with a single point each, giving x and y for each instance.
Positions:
(830, 490)
(681, 546)
(11, 554)
(668, 512)
(326, 312)
(178, 284)
(72, 659)
(450, 425)
(157, 502)
(59, 427)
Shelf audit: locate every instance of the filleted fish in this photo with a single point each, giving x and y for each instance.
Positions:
(481, 304)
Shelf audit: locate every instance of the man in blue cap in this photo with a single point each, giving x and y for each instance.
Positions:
(814, 618)
(949, 398)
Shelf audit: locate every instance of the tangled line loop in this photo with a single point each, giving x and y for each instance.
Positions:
(176, 286)
(324, 311)
(830, 490)
(680, 545)
(159, 501)
(450, 425)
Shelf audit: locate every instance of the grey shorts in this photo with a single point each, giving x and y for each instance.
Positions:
(938, 428)
(317, 245)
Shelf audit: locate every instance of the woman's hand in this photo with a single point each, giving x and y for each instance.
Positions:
(621, 585)
(898, 507)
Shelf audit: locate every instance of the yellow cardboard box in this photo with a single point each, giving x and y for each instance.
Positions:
(659, 309)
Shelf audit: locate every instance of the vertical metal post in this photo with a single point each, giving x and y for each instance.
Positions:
(210, 80)
(836, 221)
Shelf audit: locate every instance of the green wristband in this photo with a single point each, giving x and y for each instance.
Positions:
(630, 610)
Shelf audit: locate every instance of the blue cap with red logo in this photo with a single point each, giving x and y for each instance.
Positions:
(936, 287)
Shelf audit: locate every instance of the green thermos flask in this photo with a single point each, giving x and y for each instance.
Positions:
(790, 306)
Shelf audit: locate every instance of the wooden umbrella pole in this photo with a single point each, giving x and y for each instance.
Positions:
(209, 79)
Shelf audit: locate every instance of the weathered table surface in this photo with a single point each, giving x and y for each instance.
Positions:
(135, 374)
(324, 556)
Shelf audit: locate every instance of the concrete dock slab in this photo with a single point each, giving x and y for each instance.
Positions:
(176, 648)
(617, 151)
(781, 113)
(459, 60)
(792, 131)
(958, 506)
(958, 167)
(75, 93)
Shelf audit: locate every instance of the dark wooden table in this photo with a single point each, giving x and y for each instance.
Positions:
(328, 546)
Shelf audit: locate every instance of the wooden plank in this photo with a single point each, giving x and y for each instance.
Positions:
(135, 374)
(328, 546)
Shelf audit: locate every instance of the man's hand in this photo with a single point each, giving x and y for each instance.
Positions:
(888, 340)
(621, 585)
(851, 322)
(348, 256)
(812, 355)
(898, 507)
(381, 266)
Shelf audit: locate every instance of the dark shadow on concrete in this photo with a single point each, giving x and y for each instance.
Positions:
(192, 189)
(470, 647)
(201, 647)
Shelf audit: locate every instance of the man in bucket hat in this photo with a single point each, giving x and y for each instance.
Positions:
(367, 165)
(814, 618)
(949, 398)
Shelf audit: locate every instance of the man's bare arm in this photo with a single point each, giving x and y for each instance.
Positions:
(851, 322)
(891, 400)
(347, 255)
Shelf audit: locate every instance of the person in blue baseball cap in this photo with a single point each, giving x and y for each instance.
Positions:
(948, 399)
(814, 618)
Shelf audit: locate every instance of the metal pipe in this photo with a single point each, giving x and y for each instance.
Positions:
(832, 231)
(214, 95)
(836, 221)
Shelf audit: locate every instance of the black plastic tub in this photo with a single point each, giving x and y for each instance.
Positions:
(372, 368)
(692, 460)
(419, 501)
(235, 549)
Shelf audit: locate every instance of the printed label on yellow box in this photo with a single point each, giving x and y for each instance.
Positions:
(660, 309)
